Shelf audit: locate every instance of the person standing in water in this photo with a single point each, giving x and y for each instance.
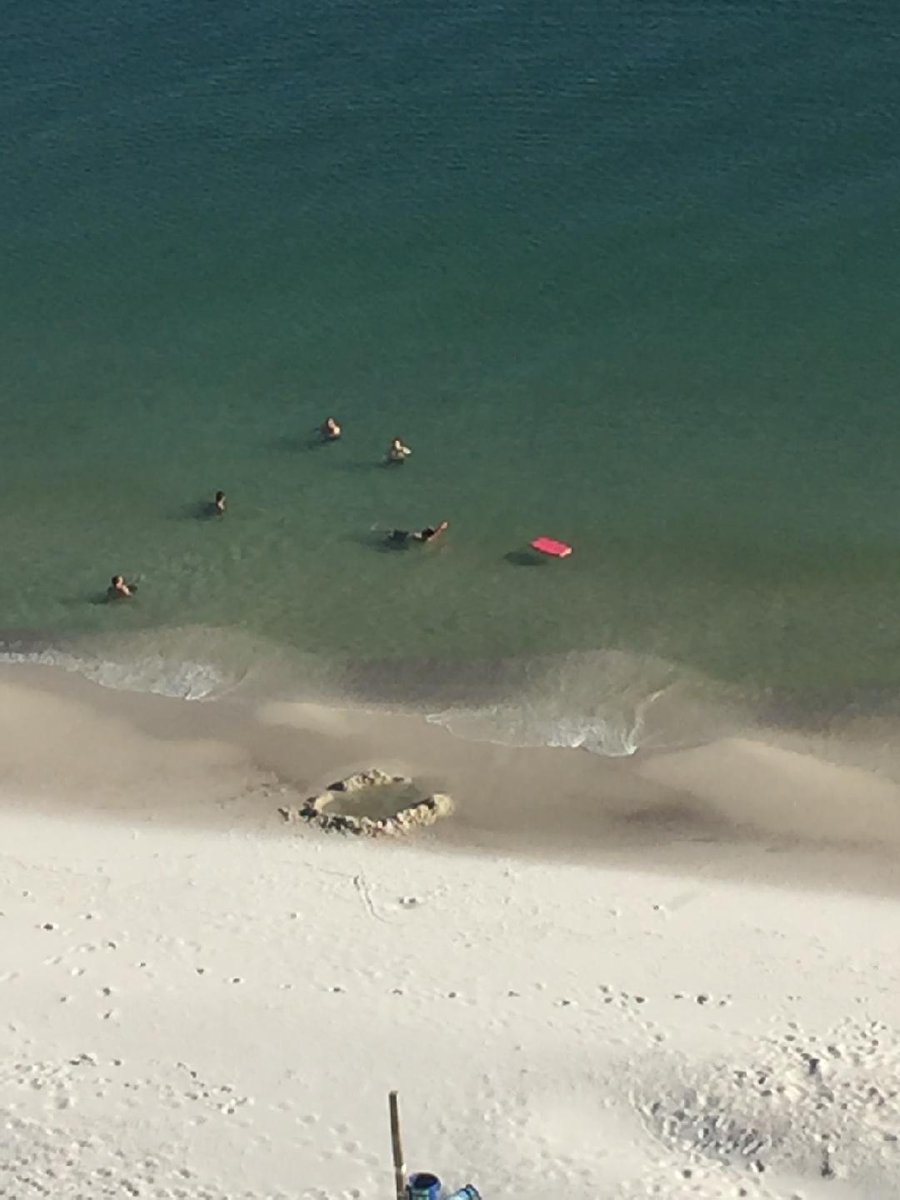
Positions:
(119, 589)
(397, 451)
(330, 430)
(218, 505)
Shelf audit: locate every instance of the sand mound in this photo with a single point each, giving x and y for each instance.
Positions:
(371, 803)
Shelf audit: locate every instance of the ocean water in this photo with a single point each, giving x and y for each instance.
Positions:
(620, 274)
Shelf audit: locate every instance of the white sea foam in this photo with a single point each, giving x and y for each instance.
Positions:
(153, 673)
(609, 703)
(599, 701)
(615, 729)
(508, 725)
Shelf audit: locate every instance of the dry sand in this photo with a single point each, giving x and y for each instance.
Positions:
(674, 975)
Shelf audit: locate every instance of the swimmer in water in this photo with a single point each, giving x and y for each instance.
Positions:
(119, 589)
(218, 505)
(397, 451)
(330, 430)
(430, 532)
(402, 537)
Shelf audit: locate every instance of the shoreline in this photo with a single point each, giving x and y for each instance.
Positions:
(734, 806)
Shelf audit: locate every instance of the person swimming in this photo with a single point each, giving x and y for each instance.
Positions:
(330, 430)
(397, 451)
(402, 537)
(430, 532)
(119, 589)
(219, 504)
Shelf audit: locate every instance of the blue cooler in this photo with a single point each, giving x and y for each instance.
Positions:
(423, 1186)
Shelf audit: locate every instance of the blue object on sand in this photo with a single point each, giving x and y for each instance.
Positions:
(423, 1186)
(469, 1192)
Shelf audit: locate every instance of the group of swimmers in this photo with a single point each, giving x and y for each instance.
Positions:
(329, 431)
(397, 451)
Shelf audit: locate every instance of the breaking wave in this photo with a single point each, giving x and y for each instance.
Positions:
(610, 703)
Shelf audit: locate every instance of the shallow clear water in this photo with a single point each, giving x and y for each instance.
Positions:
(624, 276)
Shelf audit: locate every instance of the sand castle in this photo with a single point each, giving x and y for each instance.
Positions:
(382, 805)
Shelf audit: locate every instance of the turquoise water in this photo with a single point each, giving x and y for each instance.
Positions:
(624, 275)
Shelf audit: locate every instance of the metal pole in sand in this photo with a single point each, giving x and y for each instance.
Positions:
(396, 1148)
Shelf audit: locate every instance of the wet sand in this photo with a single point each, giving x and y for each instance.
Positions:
(90, 751)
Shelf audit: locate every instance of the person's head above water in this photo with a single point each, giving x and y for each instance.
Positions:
(118, 587)
(398, 450)
(219, 502)
(331, 428)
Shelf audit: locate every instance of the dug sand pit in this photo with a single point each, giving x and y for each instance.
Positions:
(373, 804)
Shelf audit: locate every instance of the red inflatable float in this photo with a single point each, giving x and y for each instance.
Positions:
(545, 545)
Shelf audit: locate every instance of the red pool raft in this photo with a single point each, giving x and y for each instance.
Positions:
(545, 545)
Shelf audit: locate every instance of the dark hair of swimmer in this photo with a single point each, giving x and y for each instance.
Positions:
(119, 588)
(429, 532)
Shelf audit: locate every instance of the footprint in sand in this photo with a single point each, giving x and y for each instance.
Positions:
(622, 999)
(704, 998)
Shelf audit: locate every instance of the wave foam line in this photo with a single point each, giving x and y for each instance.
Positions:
(183, 680)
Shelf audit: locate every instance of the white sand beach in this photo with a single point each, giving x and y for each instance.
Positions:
(675, 975)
